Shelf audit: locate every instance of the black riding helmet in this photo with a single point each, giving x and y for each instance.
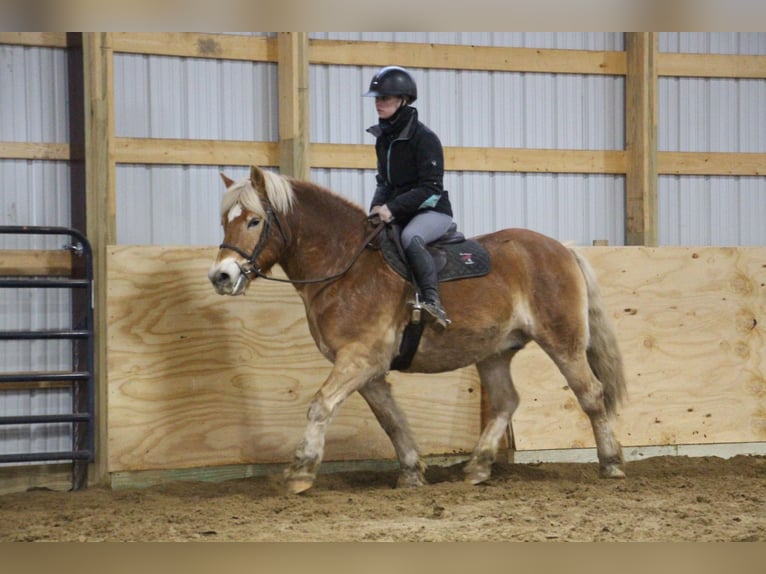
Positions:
(393, 81)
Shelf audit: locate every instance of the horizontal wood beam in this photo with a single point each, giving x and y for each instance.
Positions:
(534, 160)
(711, 65)
(193, 45)
(39, 39)
(711, 163)
(195, 152)
(444, 56)
(35, 150)
(452, 57)
(357, 156)
(158, 151)
(29, 263)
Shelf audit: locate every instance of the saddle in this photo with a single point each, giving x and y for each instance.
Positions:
(455, 257)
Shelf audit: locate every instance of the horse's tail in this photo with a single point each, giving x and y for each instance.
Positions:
(603, 352)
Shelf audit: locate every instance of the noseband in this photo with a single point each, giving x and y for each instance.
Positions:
(250, 267)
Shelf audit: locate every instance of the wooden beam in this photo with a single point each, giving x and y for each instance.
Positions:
(35, 150)
(193, 45)
(28, 263)
(38, 39)
(195, 152)
(488, 58)
(353, 156)
(641, 136)
(294, 122)
(100, 200)
(711, 65)
(156, 151)
(153, 151)
(710, 163)
(534, 160)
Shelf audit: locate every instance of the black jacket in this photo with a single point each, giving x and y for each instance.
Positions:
(410, 167)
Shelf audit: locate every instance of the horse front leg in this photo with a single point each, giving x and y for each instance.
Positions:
(349, 374)
(377, 393)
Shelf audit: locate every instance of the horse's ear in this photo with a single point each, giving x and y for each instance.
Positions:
(226, 181)
(257, 178)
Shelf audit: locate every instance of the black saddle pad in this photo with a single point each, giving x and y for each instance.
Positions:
(453, 259)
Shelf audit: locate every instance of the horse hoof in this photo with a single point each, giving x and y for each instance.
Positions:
(410, 480)
(477, 476)
(611, 471)
(298, 485)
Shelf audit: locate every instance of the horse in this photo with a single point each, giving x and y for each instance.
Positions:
(357, 308)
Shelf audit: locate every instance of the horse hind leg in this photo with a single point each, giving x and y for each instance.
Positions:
(495, 376)
(377, 393)
(590, 394)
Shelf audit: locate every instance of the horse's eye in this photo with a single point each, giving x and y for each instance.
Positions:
(252, 223)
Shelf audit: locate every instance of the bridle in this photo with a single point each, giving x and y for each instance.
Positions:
(250, 268)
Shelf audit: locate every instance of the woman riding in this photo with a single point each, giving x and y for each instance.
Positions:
(409, 179)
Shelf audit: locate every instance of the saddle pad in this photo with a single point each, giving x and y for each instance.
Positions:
(453, 260)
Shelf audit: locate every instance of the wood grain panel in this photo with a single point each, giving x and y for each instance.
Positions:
(196, 379)
(690, 322)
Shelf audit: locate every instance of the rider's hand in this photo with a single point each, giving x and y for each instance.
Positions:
(383, 212)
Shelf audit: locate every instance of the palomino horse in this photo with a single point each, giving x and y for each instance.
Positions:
(357, 307)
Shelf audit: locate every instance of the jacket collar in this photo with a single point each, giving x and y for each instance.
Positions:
(404, 134)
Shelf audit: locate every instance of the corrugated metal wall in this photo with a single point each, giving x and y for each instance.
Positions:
(33, 108)
(712, 115)
(193, 98)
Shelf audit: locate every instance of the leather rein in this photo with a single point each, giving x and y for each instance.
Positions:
(251, 268)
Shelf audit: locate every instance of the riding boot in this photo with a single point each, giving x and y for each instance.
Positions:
(424, 272)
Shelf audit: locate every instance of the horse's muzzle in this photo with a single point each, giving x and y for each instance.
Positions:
(227, 278)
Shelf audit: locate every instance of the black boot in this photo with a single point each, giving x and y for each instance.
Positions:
(422, 267)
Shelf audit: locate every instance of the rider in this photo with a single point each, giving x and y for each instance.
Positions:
(409, 178)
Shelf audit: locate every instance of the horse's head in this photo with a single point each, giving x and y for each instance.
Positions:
(253, 236)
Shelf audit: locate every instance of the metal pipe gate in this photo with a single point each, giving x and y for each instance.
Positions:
(81, 376)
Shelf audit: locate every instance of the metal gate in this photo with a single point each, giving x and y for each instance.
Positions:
(80, 378)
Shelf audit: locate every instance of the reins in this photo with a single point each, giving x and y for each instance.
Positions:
(253, 270)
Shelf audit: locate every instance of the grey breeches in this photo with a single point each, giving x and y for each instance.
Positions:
(429, 225)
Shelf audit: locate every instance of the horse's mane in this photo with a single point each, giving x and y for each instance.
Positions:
(279, 192)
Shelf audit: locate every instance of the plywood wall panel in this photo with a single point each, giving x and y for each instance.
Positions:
(690, 323)
(197, 379)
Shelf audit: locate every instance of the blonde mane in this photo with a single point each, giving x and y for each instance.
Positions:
(279, 193)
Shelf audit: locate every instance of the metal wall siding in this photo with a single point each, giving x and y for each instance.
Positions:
(171, 205)
(167, 97)
(712, 115)
(33, 90)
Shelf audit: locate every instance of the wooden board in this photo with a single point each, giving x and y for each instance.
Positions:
(690, 322)
(197, 379)
(18, 262)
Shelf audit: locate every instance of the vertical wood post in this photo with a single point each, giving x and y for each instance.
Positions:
(293, 84)
(641, 139)
(100, 207)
